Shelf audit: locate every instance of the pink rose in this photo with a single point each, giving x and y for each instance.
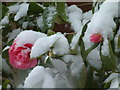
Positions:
(19, 56)
(96, 38)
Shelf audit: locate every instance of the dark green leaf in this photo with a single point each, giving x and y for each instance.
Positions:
(34, 8)
(61, 11)
(4, 10)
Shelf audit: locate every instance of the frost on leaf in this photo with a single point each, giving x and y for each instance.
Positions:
(39, 77)
(57, 41)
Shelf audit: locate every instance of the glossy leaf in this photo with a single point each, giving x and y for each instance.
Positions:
(34, 8)
(61, 11)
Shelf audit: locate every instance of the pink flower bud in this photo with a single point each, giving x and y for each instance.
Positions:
(20, 56)
(96, 38)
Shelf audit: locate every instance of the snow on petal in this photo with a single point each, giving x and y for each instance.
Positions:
(22, 11)
(75, 16)
(43, 45)
(28, 36)
(39, 78)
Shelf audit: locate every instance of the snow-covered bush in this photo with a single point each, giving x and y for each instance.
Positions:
(36, 56)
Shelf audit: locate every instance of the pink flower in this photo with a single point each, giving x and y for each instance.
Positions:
(96, 38)
(19, 56)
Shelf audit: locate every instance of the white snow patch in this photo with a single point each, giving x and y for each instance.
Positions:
(75, 40)
(5, 20)
(94, 59)
(111, 77)
(40, 22)
(14, 8)
(22, 11)
(25, 24)
(28, 36)
(13, 34)
(105, 48)
(77, 64)
(43, 45)
(39, 78)
(75, 16)
(60, 66)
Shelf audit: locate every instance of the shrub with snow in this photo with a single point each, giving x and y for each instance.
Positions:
(35, 56)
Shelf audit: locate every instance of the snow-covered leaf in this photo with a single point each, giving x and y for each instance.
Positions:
(60, 66)
(22, 11)
(28, 36)
(57, 41)
(39, 77)
(49, 15)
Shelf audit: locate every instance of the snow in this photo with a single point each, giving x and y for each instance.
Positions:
(105, 48)
(111, 77)
(50, 13)
(117, 49)
(22, 11)
(114, 78)
(75, 16)
(28, 36)
(102, 22)
(115, 83)
(13, 34)
(40, 22)
(77, 64)
(58, 41)
(87, 15)
(5, 20)
(60, 66)
(94, 59)
(75, 40)
(39, 78)
(25, 24)
(14, 8)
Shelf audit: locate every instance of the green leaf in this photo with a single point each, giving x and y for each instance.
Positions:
(61, 11)
(46, 26)
(34, 8)
(107, 85)
(84, 29)
(109, 62)
(48, 63)
(47, 4)
(5, 84)
(4, 10)
(90, 49)
(81, 42)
